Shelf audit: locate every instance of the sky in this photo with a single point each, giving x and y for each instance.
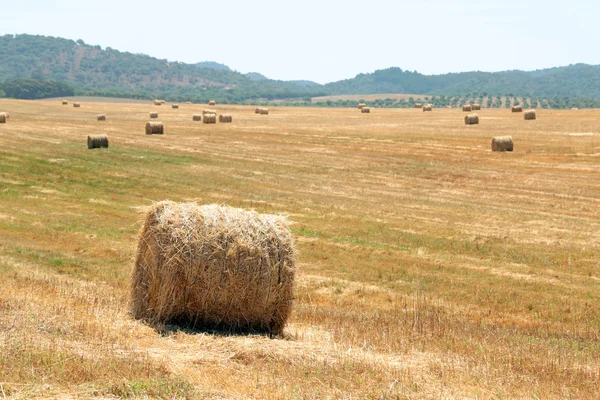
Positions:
(326, 41)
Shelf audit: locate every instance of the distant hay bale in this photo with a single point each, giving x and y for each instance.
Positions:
(472, 119)
(214, 266)
(475, 107)
(417, 105)
(529, 114)
(212, 103)
(2, 118)
(502, 143)
(264, 111)
(155, 128)
(101, 117)
(361, 105)
(225, 118)
(467, 108)
(76, 105)
(65, 102)
(365, 110)
(97, 142)
(153, 115)
(158, 102)
(574, 109)
(257, 110)
(207, 111)
(428, 107)
(210, 118)
(448, 106)
(196, 117)
(516, 109)
(175, 106)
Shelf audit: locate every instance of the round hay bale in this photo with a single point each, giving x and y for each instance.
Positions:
(214, 266)
(529, 114)
(2, 118)
(264, 111)
(212, 103)
(574, 109)
(101, 117)
(6, 115)
(365, 110)
(467, 108)
(65, 102)
(225, 118)
(207, 111)
(155, 128)
(257, 110)
(153, 115)
(502, 143)
(417, 105)
(472, 119)
(361, 105)
(175, 106)
(158, 102)
(475, 107)
(196, 117)
(516, 109)
(210, 118)
(428, 107)
(97, 142)
(76, 105)
(448, 106)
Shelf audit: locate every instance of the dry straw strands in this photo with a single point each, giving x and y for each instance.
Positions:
(196, 117)
(225, 118)
(476, 107)
(76, 105)
(365, 110)
(516, 109)
(101, 117)
(210, 118)
(529, 114)
(428, 107)
(65, 102)
(417, 105)
(155, 128)
(175, 106)
(265, 111)
(502, 143)
(158, 102)
(361, 105)
(153, 115)
(214, 266)
(212, 103)
(97, 142)
(467, 108)
(472, 119)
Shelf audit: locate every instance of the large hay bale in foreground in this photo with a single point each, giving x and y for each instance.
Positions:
(365, 110)
(155, 128)
(196, 117)
(175, 106)
(472, 119)
(467, 108)
(475, 107)
(516, 109)
(502, 143)
(214, 266)
(65, 102)
(428, 107)
(210, 118)
(361, 105)
(225, 118)
(2, 118)
(6, 115)
(264, 111)
(101, 117)
(76, 105)
(529, 114)
(212, 103)
(97, 142)
(153, 115)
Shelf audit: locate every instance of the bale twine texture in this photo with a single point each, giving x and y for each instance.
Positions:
(225, 118)
(475, 107)
(467, 108)
(365, 110)
(212, 103)
(529, 114)
(155, 128)
(502, 143)
(210, 118)
(153, 115)
(97, 142)
(101, 117)
(76, 105)
(472, 119)
(517, 109)
(214, 266)
(196, 117)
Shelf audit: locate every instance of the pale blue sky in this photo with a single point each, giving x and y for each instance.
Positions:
(325, 40)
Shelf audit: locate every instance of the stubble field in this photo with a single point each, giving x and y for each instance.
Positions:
(429, 266)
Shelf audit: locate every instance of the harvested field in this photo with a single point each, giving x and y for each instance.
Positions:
(428, 266)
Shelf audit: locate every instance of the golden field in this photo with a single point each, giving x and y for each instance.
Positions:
(429, 266)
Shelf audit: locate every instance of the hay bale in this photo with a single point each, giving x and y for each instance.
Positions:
(448, 106)
(361, 105)
(155, 128)
(101, 117)
(467, 108)
(6, 115)
(257, 110)
(472, 119)
(210, 118)
(516, 109)
(65, 102)
(225, 118)
(153, 115)
(175, 106)
(158, 102)
(196, 117)
(417, 105)
(475, 107)
(529, 114)
(502, 143)
(2, 118)
(207, 111)
(365, 110)
(427, 107)
(76, 105)
(162, 101)
(214, 266)
(264, 111)
(574, 109)
(212, 103)
(97, 142)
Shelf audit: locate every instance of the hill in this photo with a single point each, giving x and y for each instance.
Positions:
(212, 65)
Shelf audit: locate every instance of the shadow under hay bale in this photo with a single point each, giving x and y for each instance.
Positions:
(101, 117)
(516, 109)
(472, 119)
(225, 118)
(153, 115)
(502, 143)
(210, 118)
(196, 117)
(214, 267)
(97, 142)
(155, 128)
(529, 115)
